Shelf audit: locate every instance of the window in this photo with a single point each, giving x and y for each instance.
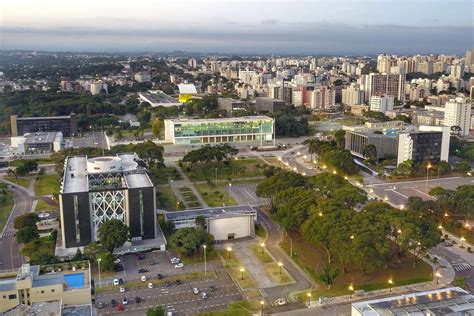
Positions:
(52, 290)
(42, 291)
(12, 296)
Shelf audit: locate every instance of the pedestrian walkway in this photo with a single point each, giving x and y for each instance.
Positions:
(461, 266)
(185, 182)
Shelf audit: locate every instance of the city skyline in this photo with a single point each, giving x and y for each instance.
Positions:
(299, 27)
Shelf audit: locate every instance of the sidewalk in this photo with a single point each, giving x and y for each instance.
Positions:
(185, 182)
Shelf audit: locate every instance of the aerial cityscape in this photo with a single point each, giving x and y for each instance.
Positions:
(237, 158)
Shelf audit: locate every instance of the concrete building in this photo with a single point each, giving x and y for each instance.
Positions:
(186, 92)
(95, 190)
(229, 105)
(353, 95)
(458, 113)
(142, 76)
(224, 223)
(382, 103)
(158, 98)
(219, 130)
(66, 124)
(268, 104)
(424, 144)
(71, 287)
(359, 109)
(38, 143)
(98, 87)
(447, 301)
(324, 98)
(385, 84)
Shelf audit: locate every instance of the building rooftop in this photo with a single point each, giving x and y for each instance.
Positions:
(450, 301)
(187, 88)
(158, 98)
(81, 310)
(220, 120)
(42, 137)
(211, 212)
(50, 308)
(45, 117)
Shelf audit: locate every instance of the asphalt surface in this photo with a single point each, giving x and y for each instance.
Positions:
(463, 266)
(94, 139)
(245, 194)
(10, 255)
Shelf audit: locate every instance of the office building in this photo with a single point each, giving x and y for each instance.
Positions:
(30, 287)
(458, 113)
(352, 95)
(66, 124)
(192, 62)
(385, 84)
(324, 98)
(99, 87)
(229, 105)
(158, 98)
(264, 104)
(422, 144)
(95, 190)
(382, 103)
(224, 223)
(457, 71)
(219, 130)
(452, 301)
(38, 143)
(142, 76)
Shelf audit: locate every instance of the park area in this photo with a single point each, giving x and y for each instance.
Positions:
(235, 169)
(311, 259)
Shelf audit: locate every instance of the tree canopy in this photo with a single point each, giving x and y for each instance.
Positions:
(113, 234)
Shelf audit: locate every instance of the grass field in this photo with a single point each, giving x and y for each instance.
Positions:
(312, 258)
(24, 182)
(233, 265)
(461, 232)
(6, 209)
(261, 255)
(243, 168)
(215, 195)
(240, 308)
(48, 185)
(43, 206)
(273, 270)
(165, 198)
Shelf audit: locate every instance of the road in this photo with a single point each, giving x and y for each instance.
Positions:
(10, 256)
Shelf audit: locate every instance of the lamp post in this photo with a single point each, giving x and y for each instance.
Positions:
(309, 298)
(428, 166)
(230, 190)
(242, 270)
(280, 264)
(438, 275)
(262, 245)
(100, 279)
(229, 250)
(205, 261)
(351, 289)
(262, 304)
(390, 282)
(462, 242)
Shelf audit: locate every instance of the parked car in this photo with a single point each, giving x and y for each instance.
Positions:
(212, 288)
(139, 256)
(143, 278)
(118, 267)
(160, 276)
(100, 305)
(150, 285)
(116, 282)
(167, 284)
(138, 299)
(142, 270)
(117, 261)
(113, 303)
(175, 260)
(179, 265)
(122, 289)
(125, 301)
(178, 282)
(448, 244)
(280, 302)
(204, 295)
(195, 290)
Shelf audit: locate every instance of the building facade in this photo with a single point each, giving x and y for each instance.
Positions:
(386, 84)
(268, 104)
(458, 113)
(95, 190)
(352, 96)
(23, 125)
(221, 130)
(382, 103)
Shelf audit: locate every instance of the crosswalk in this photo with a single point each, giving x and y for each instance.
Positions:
(462, 266)
(8, 234)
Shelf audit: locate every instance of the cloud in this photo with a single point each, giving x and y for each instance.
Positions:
(270, 22)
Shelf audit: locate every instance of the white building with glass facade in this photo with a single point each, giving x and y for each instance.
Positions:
(220, 130)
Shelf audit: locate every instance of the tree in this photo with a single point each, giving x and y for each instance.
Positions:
(200, 221)
(113, 234)
(42, 257)
(26, 167)
(27, 234)
(293, 206)
(340, 138)
(156, 127)
(106, 261)
(279, 182)
(25, 220)
(370, 152)
(41, 173)
(190, 240)
(92, 251)
(328, 275)
(155, 311)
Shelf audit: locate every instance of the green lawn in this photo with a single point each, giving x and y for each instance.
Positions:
(6, 209)
(312, 258)
(24, 182)
(215, 195)
(240, 308)
(260, 231)
(165, 198)
(261, 255)
(43, 206)
(48, 185)
(273, 270)
(233, 265)
(460, 231)
(43, 243)
(243, 168)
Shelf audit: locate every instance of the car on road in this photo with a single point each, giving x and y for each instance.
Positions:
(448, 244)
(142, 270)
(167, 284)
(116, 282)
(100, 305)
(143, 278)
(195, 290)
(280, 302)
(125, 301)
(150, 285)
(117, 261)
(138, 299)
(212, 288)
(178, 282)
(179, 265)
(122, 289)
(175, 260)
(118, 267)
(113, 303)
(160, 276)
(204, 295)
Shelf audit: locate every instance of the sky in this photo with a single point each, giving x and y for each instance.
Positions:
(347, 27)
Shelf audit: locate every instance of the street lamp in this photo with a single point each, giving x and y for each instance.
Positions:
(242, 270)
(280, 264)
(402, 207)
(262, 303)
(309, 298)
(229, 250)
(352, 237)
(440, 227)
(428, 166)
(262, 245)
(438, 275)
(346, 178)
(390, 282)
(462, 241)
(205, 262)
(100, 279)
(320, 214)
(230, 189)
(334, 172)
(351, 289)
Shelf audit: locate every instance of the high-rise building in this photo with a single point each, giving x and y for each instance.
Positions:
(352, 95)
(98, 87)
(386, 84)
(142, 76)
(324, 98)
(382, 103)
(469, 58)
(457, 71)
(458, 113)
(192, 63)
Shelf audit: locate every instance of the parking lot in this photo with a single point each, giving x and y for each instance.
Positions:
(244, 194)
(178, 298)
(397, 193)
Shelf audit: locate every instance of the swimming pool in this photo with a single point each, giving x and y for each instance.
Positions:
(75, 280)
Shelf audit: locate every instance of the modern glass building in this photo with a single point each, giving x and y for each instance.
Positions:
(220, 130)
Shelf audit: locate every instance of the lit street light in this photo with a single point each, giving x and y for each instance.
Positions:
(390, 282)
(100, 280)
(351, 289)
(438, 275)
(309, 298)
(205, 262)
(230, 189)
(280, 265)
(242, 270)
(262, 304)
(229, 250)
(462, 241)
(428, 167)
(262, 245)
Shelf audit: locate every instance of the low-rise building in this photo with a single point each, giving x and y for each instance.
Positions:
(229, 105)
(219, 130)
(158, 98)
(142, 76)
(264, 104)
(38, 143)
